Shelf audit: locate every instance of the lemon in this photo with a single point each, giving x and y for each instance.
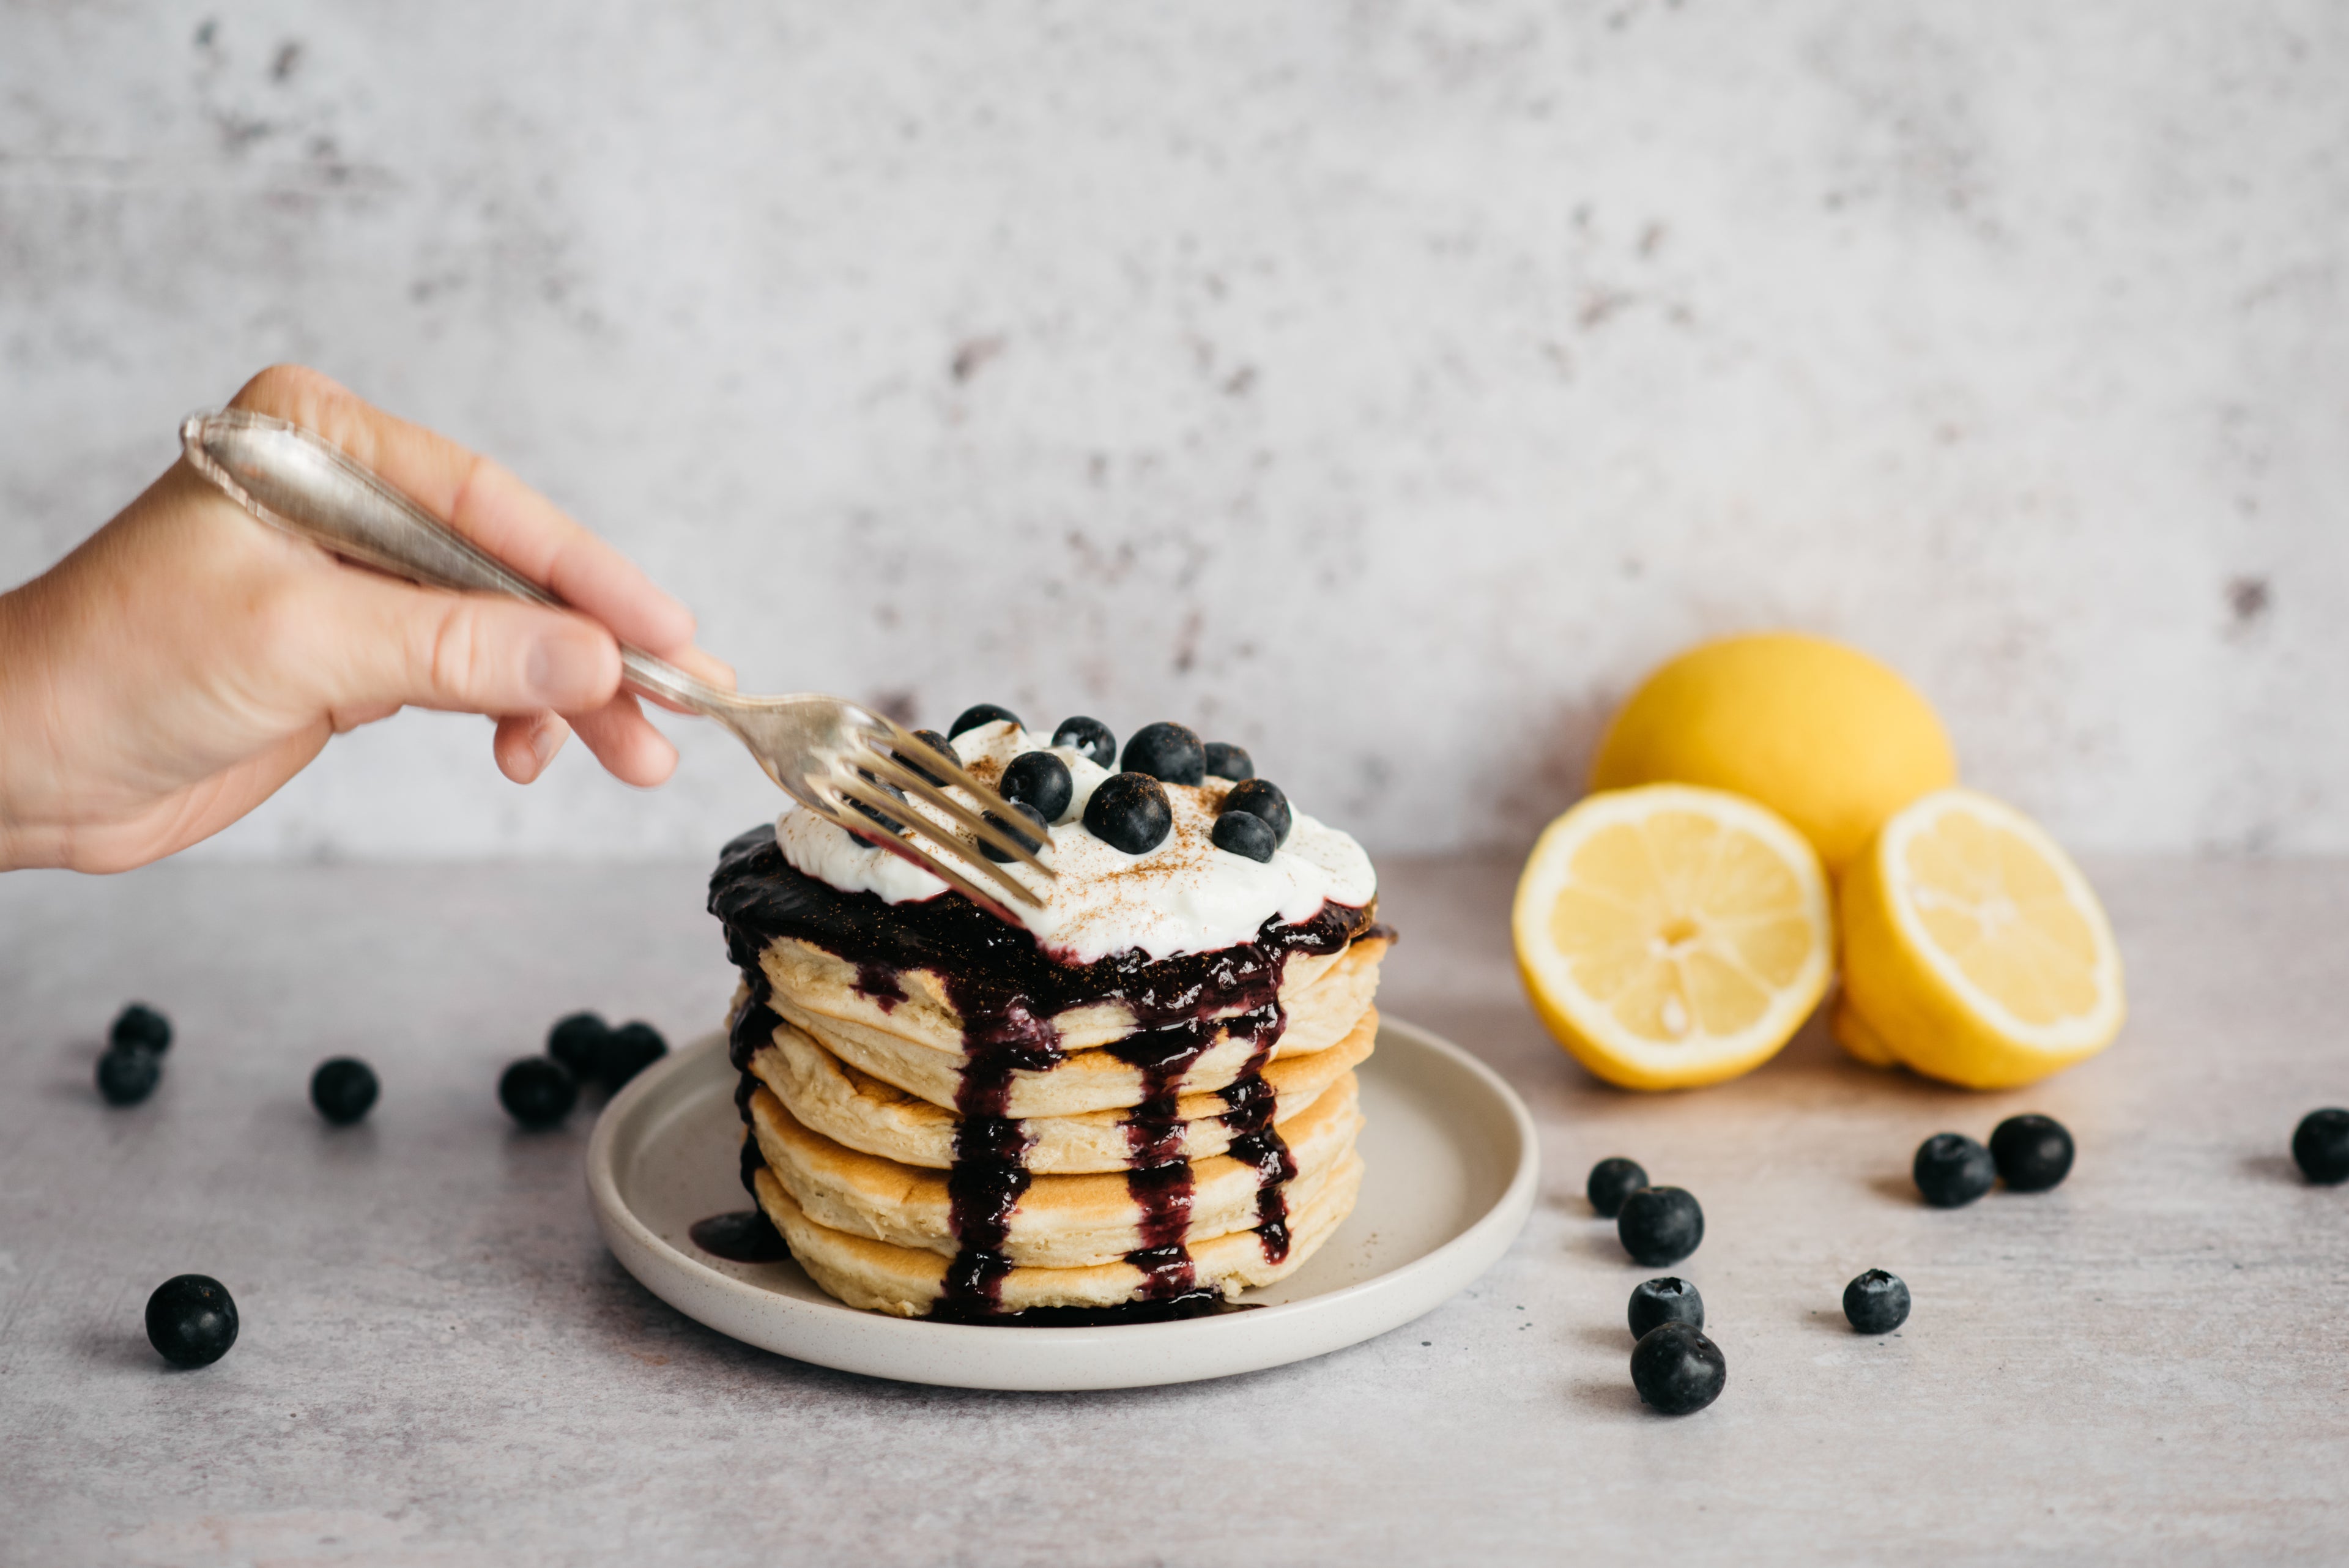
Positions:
(1974, 949)
(1672, 936)
(1856, 1035)
(1826, 736)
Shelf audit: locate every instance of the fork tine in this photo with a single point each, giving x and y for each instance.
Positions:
(905, 778)
(902, 741)
(918, 856)
(854, 788)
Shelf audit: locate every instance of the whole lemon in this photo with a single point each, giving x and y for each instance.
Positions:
(1830, 739)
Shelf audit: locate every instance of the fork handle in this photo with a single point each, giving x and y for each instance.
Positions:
(299, 482)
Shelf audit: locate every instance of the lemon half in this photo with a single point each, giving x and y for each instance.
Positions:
(1672, 936)
(1973, 949)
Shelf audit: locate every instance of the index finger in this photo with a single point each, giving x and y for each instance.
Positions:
(481, 501)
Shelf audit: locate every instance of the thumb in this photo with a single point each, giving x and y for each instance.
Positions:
(379, 643)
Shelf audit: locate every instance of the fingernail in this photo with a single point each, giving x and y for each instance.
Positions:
(545, 738)
(562, 671)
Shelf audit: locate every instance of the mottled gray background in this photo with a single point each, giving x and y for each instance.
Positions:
(1381, 385)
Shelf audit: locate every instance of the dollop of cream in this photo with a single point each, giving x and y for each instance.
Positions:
(1185, 897)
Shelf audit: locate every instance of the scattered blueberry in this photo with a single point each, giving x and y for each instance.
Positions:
(344, 1089)
(538, 1091)
(577, 1042)
(139, 1024)
(628, 1050)
(1952, 1170)
(1655, 1302)
(190, 1320)
(979, 713)
(1225, 761)
(1030, 818)
(2320, 1147)
(1128, 812)
(1612, 1181)
(1041, 779)
(937, 743)
(1089, 739)
(1677, 1370)
(1244, 835)
(1876, 1303)
(1167, 751)
(1260, 797)
(1660, 1225)
(2033, 1152)
(128, 1074)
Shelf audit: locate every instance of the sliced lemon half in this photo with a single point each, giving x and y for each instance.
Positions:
(1974, 949)
(1672, 936)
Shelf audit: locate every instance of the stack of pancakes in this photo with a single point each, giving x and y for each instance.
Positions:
(936, 1143)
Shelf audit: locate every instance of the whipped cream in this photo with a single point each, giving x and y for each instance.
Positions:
(1186, 896)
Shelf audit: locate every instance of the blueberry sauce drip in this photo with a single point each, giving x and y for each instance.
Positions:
(1158, 1178)
(879, 982)
(752, 1027)
(1008, 991)
(747, 1236)
(754, 1162)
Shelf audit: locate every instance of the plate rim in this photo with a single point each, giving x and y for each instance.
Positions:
(914, 1350)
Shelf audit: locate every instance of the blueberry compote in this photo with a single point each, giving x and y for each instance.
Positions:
(1007, 991)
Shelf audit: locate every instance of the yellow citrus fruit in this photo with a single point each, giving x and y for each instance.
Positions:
(1672, 936)
(1826, 736)
(1973, 949)
(1856, 1035)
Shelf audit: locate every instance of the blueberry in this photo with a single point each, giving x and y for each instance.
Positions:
(937, 743)
(1677, 1370)
(1260, 797)
(2033, 1152)
(979, 713)
(190, 1320)
(128, 1074)
(1876, 1303)
(1225, 761)
(1952, 1170)
(1244, 835)
(538, 1091)
(1128, 812)
(2321, 1147)
(1657, 1302)
(1167, 751)
(344, 1089)
(577, 1042)
(1612, 1181)
(1660, 1225)
(139, 1024)
(1042, 781)
(630, 1049)
(1089, 739)
(875, 812)
(1029, 817)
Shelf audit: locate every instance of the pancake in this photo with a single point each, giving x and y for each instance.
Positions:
(917, 1009)
(1054, 1221)
(1318, 1013)
(906, 1282)
(852, 1107)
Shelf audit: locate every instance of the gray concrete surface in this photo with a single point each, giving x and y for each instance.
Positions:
(439, 1363)
(1283, 369)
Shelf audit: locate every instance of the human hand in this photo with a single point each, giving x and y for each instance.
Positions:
(186, 659)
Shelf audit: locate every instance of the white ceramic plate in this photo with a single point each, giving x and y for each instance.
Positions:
(1450, 1161)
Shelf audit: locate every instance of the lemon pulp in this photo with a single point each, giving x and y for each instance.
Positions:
(1672, 936)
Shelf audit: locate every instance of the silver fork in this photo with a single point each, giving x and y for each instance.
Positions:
(825, 754)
